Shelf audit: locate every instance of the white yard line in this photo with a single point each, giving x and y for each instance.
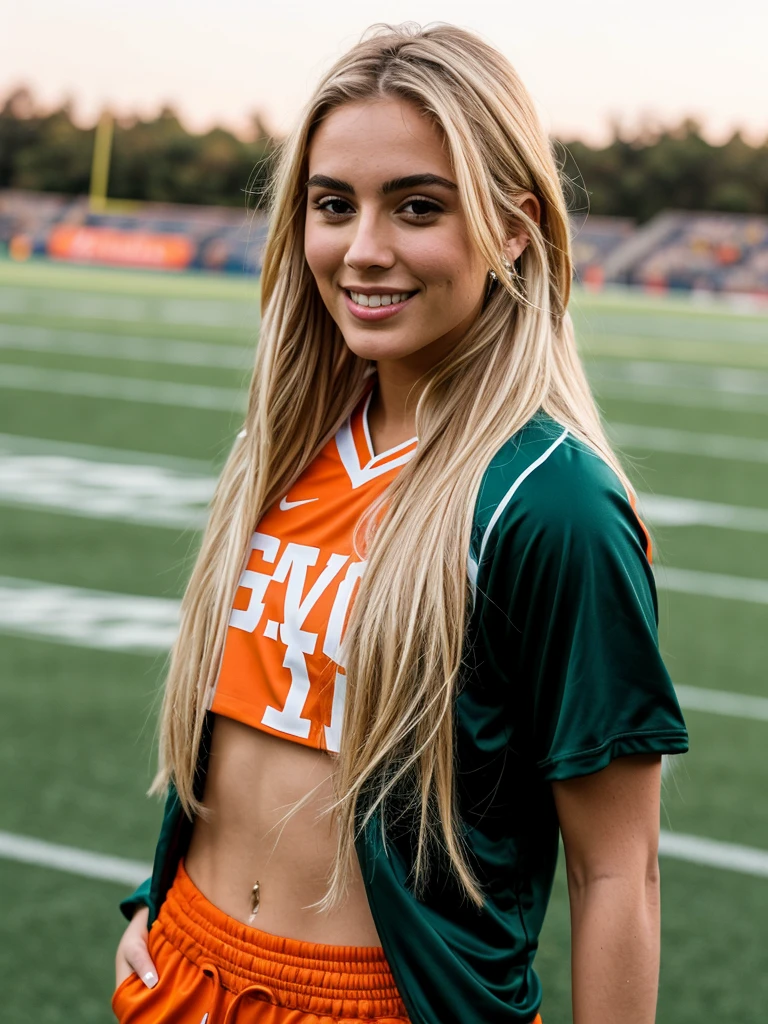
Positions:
(129, 389)
(96, 385)
(689, 442)
(679, 376)
(707, 387)
(116, 346)
(175, 493)
(720, 702)
(630, 435)
(744, 860)
(16, 444)
(671, 329)
(147, 625)
(161, 496)
(96, 619)
(26, 850)
(655, 395)
(633, 300)
(151, 495)
(223, 313)
(665, 510)
(712, 584)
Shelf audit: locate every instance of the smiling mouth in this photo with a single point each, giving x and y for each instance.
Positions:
(374, 301)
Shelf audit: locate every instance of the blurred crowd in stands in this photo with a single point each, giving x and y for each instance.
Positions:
(708, 252)
(131, 234)
(712, 252)
(715, 252)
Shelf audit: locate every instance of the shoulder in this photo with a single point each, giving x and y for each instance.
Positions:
(544, 489)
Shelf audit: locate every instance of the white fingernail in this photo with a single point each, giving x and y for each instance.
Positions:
(150, 979)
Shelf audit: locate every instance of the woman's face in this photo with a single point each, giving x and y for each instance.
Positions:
(386, 238)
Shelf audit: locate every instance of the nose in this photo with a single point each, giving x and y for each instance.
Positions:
(370, 245)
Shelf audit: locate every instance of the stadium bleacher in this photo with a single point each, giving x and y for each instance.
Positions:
(594, 239)
(713, 252)
(218, 238)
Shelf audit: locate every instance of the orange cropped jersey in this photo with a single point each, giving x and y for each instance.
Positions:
(282, 670)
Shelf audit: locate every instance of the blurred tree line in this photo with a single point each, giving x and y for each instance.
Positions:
(666, 169)
(158, 159)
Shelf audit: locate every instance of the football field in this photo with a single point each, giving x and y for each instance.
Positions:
(120, 394)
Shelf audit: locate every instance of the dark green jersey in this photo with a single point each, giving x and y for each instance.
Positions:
(562, 674)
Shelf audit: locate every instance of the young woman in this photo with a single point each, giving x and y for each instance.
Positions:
(420, 637)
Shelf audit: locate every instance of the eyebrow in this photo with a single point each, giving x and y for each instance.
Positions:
(395, 185)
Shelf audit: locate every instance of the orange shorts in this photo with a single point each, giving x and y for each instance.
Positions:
(214, 970)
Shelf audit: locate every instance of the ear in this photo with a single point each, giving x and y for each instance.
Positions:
(531, 206)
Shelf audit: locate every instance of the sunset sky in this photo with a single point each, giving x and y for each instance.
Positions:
(585, 63)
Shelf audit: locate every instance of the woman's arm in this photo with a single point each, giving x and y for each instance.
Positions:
(610, 826)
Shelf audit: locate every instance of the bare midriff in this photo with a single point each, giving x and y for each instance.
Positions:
(253, 779)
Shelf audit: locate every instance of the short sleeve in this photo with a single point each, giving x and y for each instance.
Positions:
(572, 569)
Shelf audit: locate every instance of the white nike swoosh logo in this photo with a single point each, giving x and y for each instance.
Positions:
(285, 504)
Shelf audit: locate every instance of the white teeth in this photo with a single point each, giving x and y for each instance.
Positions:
(373, 301)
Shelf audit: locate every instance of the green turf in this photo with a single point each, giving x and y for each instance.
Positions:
(715, 644)
(105, 555)
(243, 330)
(713, 962)
(167, 430)
(44, 276)
(671, 416)
(58, 936)
(77, 732)
(700, 547)
(213, 376)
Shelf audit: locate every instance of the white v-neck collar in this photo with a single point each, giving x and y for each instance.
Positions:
(390, 451)
(350, 457)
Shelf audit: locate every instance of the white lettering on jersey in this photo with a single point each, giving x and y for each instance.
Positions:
(299, 643)
(256, 582)
(292, 566)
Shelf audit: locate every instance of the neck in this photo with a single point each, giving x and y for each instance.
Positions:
(392, 412)
(396, 394)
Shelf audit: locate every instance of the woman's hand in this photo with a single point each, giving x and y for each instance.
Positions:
(132, 953)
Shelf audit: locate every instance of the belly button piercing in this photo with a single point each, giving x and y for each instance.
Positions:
(255, 900)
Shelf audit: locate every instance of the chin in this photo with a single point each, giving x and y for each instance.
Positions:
(375, 348)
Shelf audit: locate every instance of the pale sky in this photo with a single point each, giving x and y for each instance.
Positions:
(584, 62)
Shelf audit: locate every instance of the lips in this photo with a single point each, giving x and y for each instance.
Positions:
(361, 307)
(382, 299)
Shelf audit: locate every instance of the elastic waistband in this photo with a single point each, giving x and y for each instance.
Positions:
(340, 981)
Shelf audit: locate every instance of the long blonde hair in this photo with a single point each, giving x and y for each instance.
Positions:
(405, 636)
